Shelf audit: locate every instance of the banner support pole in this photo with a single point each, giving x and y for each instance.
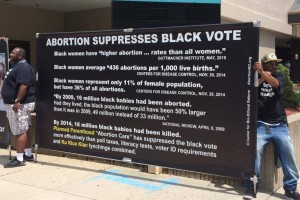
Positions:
(256, 83)
(255, 181)
(9, 142)
(35, 150)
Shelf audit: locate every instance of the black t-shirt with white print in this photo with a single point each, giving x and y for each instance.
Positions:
(270, 104)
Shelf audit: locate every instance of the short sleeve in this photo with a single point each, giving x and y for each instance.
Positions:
(24, 75)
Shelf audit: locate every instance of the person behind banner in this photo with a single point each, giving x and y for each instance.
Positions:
(2, 67)
(272, 126)
(19, 97)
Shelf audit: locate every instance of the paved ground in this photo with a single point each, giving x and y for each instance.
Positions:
(59, 178)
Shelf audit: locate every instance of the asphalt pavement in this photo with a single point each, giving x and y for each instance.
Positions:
(61, 178)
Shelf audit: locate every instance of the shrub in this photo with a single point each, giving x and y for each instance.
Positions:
(291, 98)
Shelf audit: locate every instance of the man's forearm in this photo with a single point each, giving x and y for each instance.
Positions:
(22, 92)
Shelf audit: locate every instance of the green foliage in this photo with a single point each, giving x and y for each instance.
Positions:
(291, 98)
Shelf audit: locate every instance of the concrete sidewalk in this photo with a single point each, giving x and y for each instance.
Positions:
(60, 178)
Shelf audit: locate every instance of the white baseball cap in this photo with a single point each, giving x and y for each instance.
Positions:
(270, 57)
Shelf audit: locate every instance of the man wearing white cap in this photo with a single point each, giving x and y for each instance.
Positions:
(272, 125)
